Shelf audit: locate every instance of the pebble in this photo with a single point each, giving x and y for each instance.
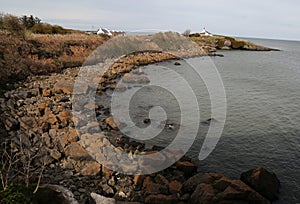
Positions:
(76, 193)
(81, 190)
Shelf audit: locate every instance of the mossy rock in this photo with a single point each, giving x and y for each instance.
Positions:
(237, 44)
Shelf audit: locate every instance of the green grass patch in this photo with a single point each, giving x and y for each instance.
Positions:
(17, 194)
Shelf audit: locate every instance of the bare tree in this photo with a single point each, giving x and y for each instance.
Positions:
(8, 164)
(17, 163)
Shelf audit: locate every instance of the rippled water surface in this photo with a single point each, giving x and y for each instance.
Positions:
(263, 112)
(263, 117)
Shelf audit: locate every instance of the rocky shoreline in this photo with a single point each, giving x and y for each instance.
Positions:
(219, 42)
(37, 115)
(39, 111)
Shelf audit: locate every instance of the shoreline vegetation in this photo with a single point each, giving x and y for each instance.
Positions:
(40, 145)
(40, 54)
(29, 47)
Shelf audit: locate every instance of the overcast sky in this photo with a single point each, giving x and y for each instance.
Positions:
(279, 19)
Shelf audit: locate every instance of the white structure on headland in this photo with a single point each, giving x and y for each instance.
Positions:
(104, 31)
(204, 32)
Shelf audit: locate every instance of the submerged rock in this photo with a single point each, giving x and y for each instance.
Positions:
(208, 121)
(147, 121)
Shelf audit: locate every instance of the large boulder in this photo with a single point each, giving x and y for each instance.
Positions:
(134, 78)
(11, 124)
(191, 184)
(53, 194)
(81, 161)
(264, 182)
(99, 199)
(64, 86)
(216, 188)
(204, 193)
(175, 187)
(153, 188)
(227, 43)
(188, 168)
(111, 122)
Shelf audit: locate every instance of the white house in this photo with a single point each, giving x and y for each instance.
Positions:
(204, 32)
(104, 31)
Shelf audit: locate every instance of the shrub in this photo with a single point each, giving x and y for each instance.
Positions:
(16, 194)
(29, 21)
(13, 25)
(45, 28)
(42, 54)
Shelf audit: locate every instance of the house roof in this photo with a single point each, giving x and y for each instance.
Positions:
(103, 31)
(204, 31)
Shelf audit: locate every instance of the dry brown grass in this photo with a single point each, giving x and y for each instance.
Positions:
(68, 50)
(42, 54)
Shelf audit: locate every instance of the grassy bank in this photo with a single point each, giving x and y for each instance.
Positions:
(42, 54)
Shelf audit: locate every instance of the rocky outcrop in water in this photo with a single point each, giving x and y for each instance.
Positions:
(216, 188)
(227, 43)
(264, 182)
